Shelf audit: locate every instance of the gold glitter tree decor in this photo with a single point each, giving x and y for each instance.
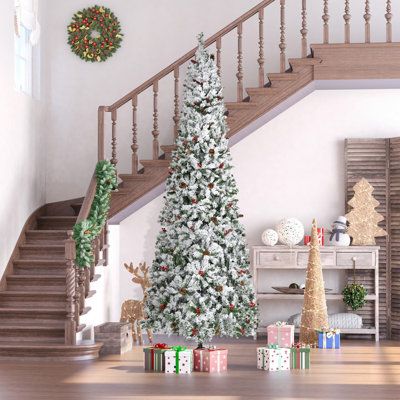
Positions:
(363, 218)
(314, 315)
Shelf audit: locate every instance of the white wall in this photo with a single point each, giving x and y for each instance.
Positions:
(292, 166)
(157, 32)
(22, 144)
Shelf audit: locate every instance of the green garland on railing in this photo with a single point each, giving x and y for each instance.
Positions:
(86, 231)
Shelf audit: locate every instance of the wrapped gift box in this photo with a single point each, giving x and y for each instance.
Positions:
(210, 360)
(329, 339)
(300, 357)
(273, 358)
(178, 360)
(281, 334)
(154, 357)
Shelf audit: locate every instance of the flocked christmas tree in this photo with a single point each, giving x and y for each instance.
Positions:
(201, 283)
(363, 218)
(314, 315)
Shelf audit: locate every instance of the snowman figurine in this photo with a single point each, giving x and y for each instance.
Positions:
(339, 237)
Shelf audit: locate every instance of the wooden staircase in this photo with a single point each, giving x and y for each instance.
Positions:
(42, 293)
(33, 299)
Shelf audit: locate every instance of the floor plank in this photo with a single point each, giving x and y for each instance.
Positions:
(359, 370)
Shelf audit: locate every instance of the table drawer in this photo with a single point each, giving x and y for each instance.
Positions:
(326, 258)
(346, 259)
(277, 258)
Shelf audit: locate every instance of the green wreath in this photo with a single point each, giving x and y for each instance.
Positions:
(94, 34)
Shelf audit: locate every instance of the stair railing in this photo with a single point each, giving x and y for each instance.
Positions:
(77, 278)
(174, 69)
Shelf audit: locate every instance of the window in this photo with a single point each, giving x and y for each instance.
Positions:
(27, 33)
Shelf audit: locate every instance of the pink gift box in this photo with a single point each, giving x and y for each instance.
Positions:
(210, 360)
(281, 334)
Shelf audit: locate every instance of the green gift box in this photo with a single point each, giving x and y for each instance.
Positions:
(154, 357)
(300, 357)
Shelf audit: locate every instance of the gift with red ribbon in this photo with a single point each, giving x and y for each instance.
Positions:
(300, 356)
(154, 357)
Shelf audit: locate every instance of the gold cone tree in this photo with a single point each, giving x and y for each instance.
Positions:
(314, 315)
(363, 218)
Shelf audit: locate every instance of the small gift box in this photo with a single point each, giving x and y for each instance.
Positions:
(329, 339)
(210, 360)
(154, 357)
(281, 334)
(178, 360)
(273, 358)
(300, 356)
(321, 237)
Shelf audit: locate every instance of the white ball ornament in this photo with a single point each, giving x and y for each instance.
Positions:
(269, 237)
(290, 231)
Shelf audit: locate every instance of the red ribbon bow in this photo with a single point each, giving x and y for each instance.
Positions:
(160, 346)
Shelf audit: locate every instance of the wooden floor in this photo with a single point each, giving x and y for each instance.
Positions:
(360, 370)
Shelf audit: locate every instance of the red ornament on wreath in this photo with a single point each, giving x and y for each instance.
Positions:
(86, 27)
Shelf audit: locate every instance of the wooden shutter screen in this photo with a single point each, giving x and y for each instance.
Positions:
(368, 158)
(395, 235)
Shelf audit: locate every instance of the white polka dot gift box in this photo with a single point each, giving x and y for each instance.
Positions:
(210, 360)
(273, 358)
(281, 334)
(179, 360)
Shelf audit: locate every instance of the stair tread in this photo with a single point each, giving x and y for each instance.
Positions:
(305, 61)
(39, 245)
(43, 231)
(32, 309)
(28, 261)
(64, 217)
(242, 104)
(289, 76)
(136, 177)
(44, 345)
(155, 162)
(30, 277)
(14, 327)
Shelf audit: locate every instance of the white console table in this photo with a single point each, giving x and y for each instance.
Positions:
(264, 258)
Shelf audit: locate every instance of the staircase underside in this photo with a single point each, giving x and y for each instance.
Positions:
(327, 64)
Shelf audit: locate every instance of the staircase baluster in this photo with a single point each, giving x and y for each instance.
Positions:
(239, 74)
(325, 18)
(100, 134)
(304, 30)
(155, 132)
(70, 324)
(114, 160)
(105, 251)
(176, 102)
(77, 297)
(219, 45)
(135, 146)
(367, 17)
(261, 73)
(87, 280)
(282, 44)
(81, 284)
(347, 18)
(389, 17)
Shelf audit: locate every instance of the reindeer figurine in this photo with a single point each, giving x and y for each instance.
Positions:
(132, 310)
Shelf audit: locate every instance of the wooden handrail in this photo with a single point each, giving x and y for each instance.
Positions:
(188, 56)
(88, 200)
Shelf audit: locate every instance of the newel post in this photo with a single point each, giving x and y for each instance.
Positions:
(70, 322)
